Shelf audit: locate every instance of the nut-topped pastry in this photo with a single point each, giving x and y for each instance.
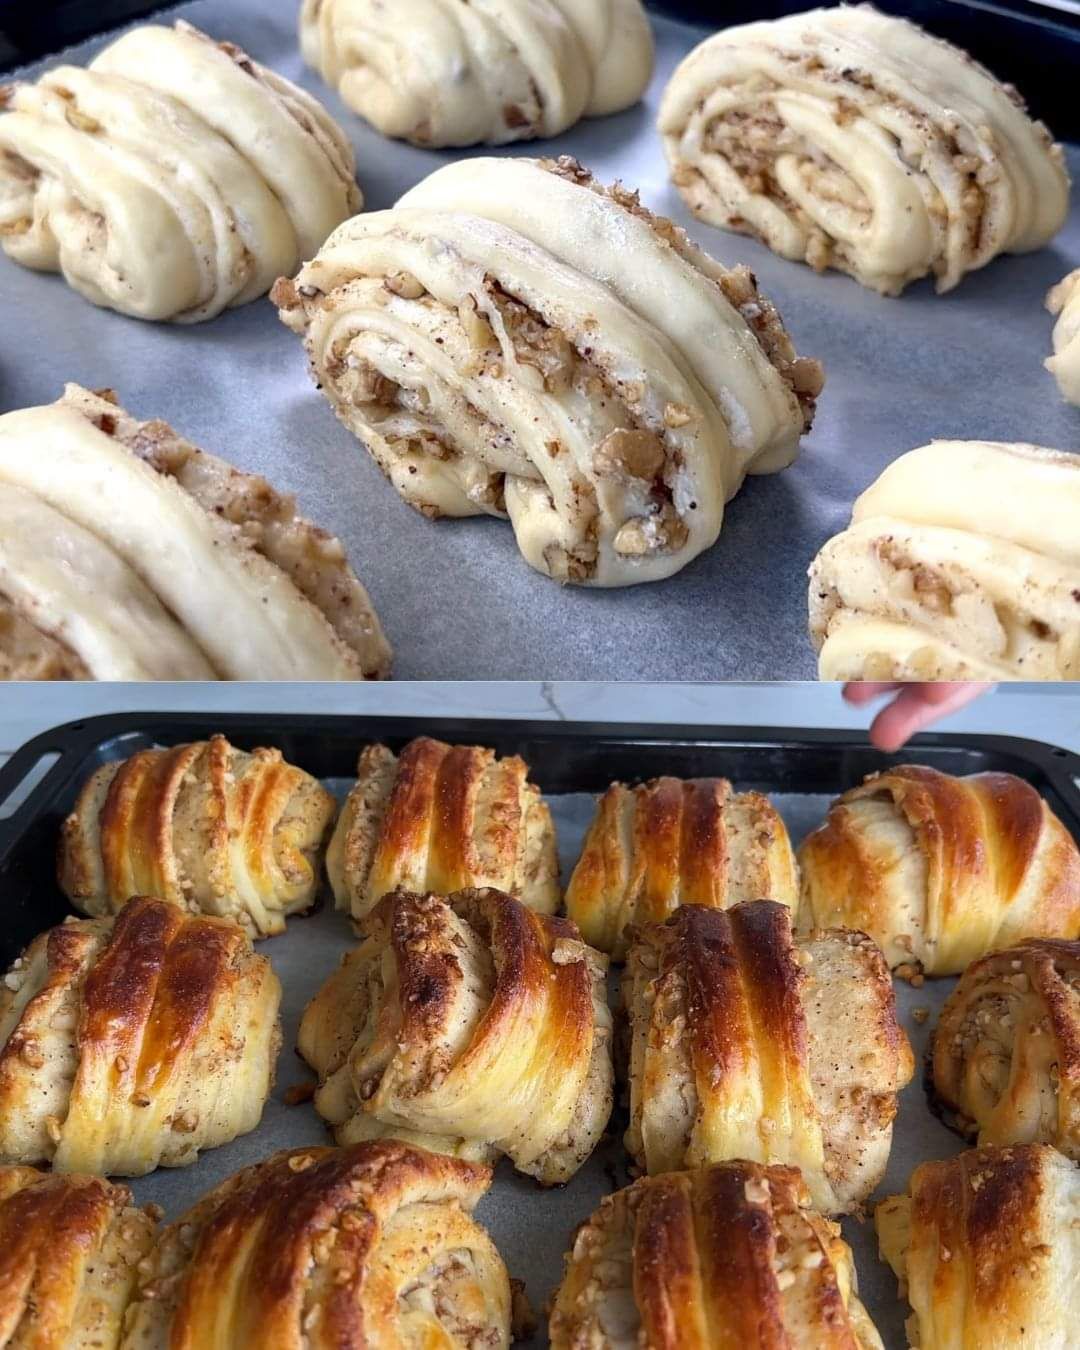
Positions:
(444, 72)
(851, 139)
(133, 1043)
(1005, 1060)
(328, 1249)
(126, 553)
(986, 1248)
(171, 178)
(205, 826)
(517, 340)
(468, 1024)
(729, 1255)
(671, 842)
(749, 1042)
(442, 818)
(70, 1247)
(941, 870)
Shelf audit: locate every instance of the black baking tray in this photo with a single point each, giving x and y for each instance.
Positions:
(562, 757)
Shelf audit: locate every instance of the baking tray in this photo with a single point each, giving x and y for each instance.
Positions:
(456, 598)
(802, 771)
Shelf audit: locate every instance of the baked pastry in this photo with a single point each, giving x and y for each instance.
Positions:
(941, 870)
(444, 72)
(467, 1024)
(204, 826)
(442, 818)
(323, 1249)
(128, 554)
(730, 1255)
(517, 340)
(747, 1042)
(1005, 1058)
(1064, 301)
(851, 139)
(986, 1249)
(133, 1043)
(69, 1248)
(171, 178)
(962, 561)
(671, 842)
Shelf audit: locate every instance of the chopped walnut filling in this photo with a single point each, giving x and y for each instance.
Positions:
(28, 653)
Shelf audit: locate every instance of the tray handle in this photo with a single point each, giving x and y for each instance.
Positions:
(37, 771)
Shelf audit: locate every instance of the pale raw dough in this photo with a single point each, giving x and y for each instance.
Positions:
(141, 557)
(1064, 365)
(451, 72)
(172, 178)
(517, 340)
(962, 561)
(850, 139)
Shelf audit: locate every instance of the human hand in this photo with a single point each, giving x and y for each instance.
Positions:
(914, 707)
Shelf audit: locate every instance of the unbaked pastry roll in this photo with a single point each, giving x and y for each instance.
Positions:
(204, 826)
(941, 870)
(442, 818)
(172, 178)
(323, 1249)
(447, 72)
(746, 1042)
(1005, 1056)
(1064, 301)
(986, 1247)
(516, 340)
(128, 554)
(133, 1043)
(730, 1255)
(962, 561)
(467, 1024)
(69, 1250)
(851, 139)
(671, 842)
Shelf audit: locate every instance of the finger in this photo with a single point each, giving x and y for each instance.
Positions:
(911, 711)
(859, 692)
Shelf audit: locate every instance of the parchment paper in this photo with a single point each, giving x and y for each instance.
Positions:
(533, 1227)
(455, 597)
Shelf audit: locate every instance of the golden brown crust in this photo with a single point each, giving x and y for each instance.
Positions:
(132, 1043)
(467, 1023)
(941, 870)
(671, 842)
(988, 1239)
(442, 818)
(69, 1247)
(749, 1043)
(205, 826)
(1005, 1059)
(726, 1256)
(322, 1248)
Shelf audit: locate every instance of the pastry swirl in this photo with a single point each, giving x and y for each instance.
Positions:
(467, 1024)
(446, 72)
(172, 178)
(747, 1042)
(986, 1247)
(442, 818)
(132, 1043)
(69, 1250)
(1005, 1059)
(204, 826)
(962, 561)
(328, 1249)
(729, 1255)
(1064, 302)
(942, 870)
(671, 842)
(513, 339)
(128, 554)
(850, 139)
